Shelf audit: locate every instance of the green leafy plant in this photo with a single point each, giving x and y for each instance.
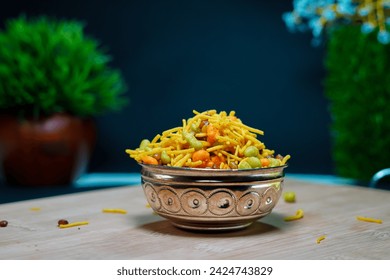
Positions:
(358, 87)
(49, 66)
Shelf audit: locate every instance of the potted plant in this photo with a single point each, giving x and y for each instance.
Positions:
(357, 82)
(53, 81)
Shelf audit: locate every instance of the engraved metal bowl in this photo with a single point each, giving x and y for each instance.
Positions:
(212, 199)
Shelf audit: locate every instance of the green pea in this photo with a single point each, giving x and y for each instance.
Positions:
(274, 162)
(289, 196)
(165, 159)
(244, 165)
(251, 151)
(254, 162)
(144, 144)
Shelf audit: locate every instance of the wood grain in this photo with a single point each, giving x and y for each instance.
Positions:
(330, 210)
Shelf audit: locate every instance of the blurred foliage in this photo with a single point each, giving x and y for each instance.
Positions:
(358, 87)
(318, 16)
(49, 65)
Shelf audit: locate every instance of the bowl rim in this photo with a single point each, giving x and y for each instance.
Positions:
(214, 171)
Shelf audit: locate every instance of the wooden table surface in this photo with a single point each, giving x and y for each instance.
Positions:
(330, 210)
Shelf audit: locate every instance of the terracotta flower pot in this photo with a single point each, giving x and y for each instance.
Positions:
(49, 151)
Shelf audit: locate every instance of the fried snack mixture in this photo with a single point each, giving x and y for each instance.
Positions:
(208, 140)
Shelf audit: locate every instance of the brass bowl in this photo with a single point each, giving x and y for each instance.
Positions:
(211, 199)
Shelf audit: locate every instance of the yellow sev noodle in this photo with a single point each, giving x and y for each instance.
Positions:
(75, 224)
(320, 238)
(232, 140)
(298, 215)
(114, 210)
(370, 220)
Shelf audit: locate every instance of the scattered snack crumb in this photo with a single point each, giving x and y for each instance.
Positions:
(319, 239)
(370, 220)
(3, 223)
(298, 215)
(35, 208)
(289, 197)
(75, 224)
(114, 210)
(62, 222)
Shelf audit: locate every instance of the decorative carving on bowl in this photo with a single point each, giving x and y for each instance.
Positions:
(211, 200)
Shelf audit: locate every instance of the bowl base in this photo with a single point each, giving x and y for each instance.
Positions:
(212, 225)
(215, 228)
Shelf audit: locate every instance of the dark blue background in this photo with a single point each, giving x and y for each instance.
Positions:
(181, 55)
